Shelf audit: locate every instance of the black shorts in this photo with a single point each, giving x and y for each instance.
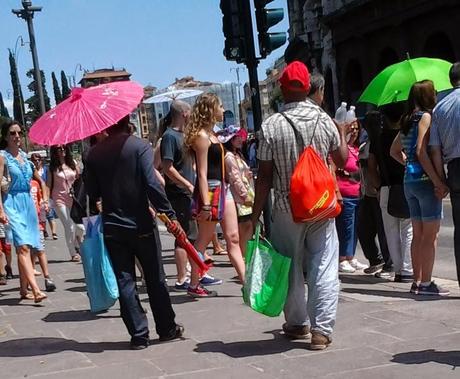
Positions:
(244, 218)
(182, 205)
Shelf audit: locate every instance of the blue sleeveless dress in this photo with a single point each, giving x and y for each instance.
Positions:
(22, 227)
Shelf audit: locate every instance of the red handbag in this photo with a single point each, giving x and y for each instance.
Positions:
(312, 188)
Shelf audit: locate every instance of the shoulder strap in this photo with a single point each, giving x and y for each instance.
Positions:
(298, 136)
(223, 161)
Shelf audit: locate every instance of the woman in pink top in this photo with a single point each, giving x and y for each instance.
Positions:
(63, 172)
(348, 181)
(239, 177)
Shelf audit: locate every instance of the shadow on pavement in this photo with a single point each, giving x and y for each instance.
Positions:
(362, 278)
(80, 280)
(402, 295)
(17, 301)
(176, 299)
(29, 347)
(75, 316)
(77, 289)
(51, 261)
(279, 344)
(450, 358)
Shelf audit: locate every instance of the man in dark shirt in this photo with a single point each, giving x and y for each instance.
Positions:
(179, 179)
(120, 171)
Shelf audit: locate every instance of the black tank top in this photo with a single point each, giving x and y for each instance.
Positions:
(215, 161)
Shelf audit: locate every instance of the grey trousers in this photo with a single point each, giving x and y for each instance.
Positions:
(314, 249)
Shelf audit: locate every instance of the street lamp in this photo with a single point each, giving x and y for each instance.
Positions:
(80, 68)
(27, 14)
(16, 48)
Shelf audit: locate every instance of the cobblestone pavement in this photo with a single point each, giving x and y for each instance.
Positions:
(382, 332)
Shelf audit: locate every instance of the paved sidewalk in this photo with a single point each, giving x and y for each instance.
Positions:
(382, 332)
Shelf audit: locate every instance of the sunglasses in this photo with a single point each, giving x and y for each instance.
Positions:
(16, 133)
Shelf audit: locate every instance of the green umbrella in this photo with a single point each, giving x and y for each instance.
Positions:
(394, 82)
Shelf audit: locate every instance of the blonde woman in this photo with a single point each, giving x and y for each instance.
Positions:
(209, 154)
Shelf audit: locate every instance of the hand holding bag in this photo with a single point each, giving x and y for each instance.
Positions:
(101, 283)
(267, 277)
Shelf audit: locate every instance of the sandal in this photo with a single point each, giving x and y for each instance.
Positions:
(3, 280)
(37, 273)
(220, 251)
(39, 297)
(27, 296)
(9, 272)
(55, 236)
(76, 258)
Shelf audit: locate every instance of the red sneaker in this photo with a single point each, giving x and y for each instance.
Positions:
(200, 291)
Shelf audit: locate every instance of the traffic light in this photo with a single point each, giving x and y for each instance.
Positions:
(234, 30)
(266, 18)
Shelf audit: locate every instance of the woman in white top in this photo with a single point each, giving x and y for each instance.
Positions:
(62, 174)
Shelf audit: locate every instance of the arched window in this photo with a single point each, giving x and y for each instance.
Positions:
(438, 45)
(387, 57)
(353, 81)
(329, 101)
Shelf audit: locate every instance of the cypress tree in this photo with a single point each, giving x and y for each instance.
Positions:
(18, 99)
(65, 86)
(3, 110)
(33, 101)
(56, 89)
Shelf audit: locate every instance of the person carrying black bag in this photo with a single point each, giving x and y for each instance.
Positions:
(388, 175)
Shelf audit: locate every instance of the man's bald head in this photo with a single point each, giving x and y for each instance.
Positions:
(179, 109)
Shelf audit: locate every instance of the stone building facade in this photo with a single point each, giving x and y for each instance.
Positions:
(352, 40)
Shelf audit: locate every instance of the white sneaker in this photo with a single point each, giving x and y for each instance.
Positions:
(357, 265)
(346, 267)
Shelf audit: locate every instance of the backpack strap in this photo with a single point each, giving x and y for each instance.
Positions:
(298, 136)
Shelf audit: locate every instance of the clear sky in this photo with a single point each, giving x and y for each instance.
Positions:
(155, 40)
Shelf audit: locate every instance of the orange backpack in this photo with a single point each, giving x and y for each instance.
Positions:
(312, 189)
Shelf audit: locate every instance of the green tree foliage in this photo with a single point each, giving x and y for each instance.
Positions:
(33, 102)
(65, 86)
(56, 89)
(18, 99)
(3, 110)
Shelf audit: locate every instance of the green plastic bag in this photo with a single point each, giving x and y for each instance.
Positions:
(267, 277)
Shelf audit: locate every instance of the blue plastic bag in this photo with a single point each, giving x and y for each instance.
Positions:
(101, 283)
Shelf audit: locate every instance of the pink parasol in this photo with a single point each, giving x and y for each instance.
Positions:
(86, 112)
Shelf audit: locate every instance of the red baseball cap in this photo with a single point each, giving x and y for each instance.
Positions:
(295, 77)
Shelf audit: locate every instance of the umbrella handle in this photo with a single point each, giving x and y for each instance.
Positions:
(165, 219)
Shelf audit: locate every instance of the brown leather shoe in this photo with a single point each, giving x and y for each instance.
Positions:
(319, 341)
(297, 332)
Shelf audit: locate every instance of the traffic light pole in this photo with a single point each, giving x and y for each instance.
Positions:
(252, 63)
(38, 75)
(27, 14)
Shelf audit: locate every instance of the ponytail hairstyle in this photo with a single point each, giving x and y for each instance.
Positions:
(422, 95)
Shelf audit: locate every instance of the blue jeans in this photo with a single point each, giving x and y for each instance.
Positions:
(347, 227)
(313, 248)
(123, 245)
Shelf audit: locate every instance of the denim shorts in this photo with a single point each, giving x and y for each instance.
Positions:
(423, 204)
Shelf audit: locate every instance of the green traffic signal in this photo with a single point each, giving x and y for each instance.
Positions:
(266, 18)
(270, 42)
